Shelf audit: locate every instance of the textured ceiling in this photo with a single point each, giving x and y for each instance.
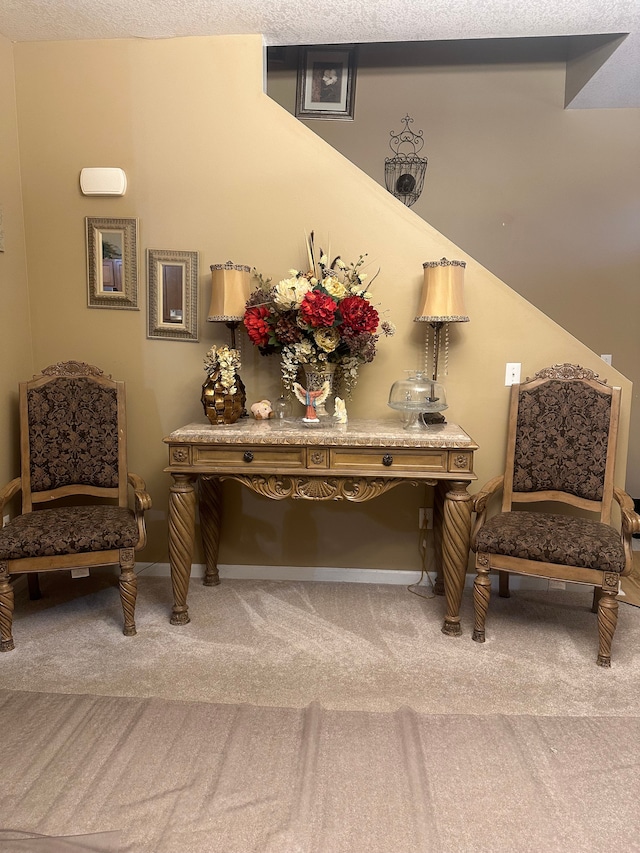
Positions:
(614, 83)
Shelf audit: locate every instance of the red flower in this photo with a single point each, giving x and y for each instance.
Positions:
(318, 309)
(256, 325)
(358, 315)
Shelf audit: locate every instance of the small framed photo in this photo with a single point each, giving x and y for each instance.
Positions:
(172, 281)
(326, 83)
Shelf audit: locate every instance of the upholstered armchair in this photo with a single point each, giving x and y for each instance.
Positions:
(74, 485)
(561, 448)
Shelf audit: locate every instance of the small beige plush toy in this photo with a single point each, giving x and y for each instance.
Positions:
(261, 410)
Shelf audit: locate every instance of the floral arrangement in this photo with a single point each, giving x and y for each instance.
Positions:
(227, 362)
(319, 317)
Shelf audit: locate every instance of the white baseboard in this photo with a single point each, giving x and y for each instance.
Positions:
(327, 573)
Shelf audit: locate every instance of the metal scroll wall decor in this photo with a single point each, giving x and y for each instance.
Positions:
(404, 172)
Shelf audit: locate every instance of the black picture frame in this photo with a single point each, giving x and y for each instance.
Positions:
(326, 84)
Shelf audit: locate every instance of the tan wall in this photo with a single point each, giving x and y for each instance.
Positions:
(15, 331)
(546, 198)
(216, 166)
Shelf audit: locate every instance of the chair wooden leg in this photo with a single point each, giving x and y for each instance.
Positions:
(607, 621)
(33, 585)
(481, 596)
(597, 595)
(503, 585)
(6, 609)
(128, 590)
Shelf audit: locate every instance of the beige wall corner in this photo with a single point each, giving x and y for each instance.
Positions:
(15, 331)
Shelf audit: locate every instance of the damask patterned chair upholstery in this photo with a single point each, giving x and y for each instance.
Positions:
(73, 447)
(561, 448)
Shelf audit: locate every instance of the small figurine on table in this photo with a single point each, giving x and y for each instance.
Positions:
(340, 412)
(311, 399)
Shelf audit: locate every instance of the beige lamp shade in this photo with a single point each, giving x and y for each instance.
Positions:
(442, 293)
(230, 287)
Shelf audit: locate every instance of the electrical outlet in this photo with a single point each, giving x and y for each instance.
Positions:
(607, 358)
(5, 520)
(512, 373)
(79, 573)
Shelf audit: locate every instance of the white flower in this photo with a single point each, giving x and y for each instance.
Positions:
(340, 264)
(290, 292)
(334, 287)
(363, 276)
(327, 339)
(293, 273)
(324, 260)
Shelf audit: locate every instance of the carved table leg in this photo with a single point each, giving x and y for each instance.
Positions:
(438, 510)
(210, 520)
(6, 609)
(182, 512)
(456, 533)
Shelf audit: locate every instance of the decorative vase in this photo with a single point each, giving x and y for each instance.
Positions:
(314, 379)
(220, 407)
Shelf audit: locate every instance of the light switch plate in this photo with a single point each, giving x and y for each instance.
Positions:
(512, 373)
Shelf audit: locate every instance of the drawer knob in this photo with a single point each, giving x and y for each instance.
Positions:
(248, 456)
(387, 460)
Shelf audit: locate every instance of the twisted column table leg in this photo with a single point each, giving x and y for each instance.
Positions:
(128, 583)
(210, 521)
(182, 511)
(456, 532)
(6, 609)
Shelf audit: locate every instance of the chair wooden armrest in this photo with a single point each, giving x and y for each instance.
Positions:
(480, 501)
(142, 496)
(630, 525)
(9, 491)
(142, 503)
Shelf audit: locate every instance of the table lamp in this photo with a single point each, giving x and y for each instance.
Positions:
(442, 303)
(421, 397)
(230, 287)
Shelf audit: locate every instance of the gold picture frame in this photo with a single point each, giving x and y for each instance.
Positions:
(112, 262)
(172, 295)
(326, 84)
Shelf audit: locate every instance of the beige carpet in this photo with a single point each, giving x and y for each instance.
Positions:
(183, 777)
(318, 718)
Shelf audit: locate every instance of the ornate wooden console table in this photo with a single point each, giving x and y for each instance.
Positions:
(354, 462)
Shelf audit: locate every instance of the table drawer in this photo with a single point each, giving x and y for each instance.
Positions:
(370, 459)
(243, 456)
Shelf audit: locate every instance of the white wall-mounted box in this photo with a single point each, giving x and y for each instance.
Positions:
(102, 181)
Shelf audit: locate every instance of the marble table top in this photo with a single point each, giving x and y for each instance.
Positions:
(356, 433)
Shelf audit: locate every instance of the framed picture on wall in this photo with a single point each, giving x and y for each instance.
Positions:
(172, 284)
(112, 262)
(326, 82)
